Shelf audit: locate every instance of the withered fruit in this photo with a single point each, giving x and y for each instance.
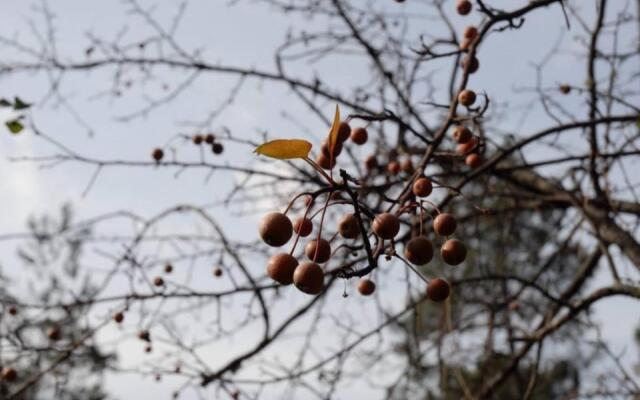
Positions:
(308, 277)
(197, 139)
(344, 131)
(386, 225)
(419, 250)
(422, 187)
(472, 62)
(565, 89)
(158, 281)
(348, 226)
(470, 32)
(473, 160)
(275, 229)
(217, 148)
(371, 162)
(53, 333)
(168, 268)
(453, 252)
(444, 224)
(118, 317)
(366, 287)
(337, 149)
(303, 226)
(407, 166)
(144, 335)
(467, 97)
(209, 138)
(157, 154)
(280, 268)
(463, 7)
(318, 251)
(438, 290)
(9, 374)
(393, 168)
(359, 135)
(462, 134)
(217, 272)
(325, 162)
(465, 148)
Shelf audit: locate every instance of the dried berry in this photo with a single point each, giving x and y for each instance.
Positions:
(308, 277)
(318, 250)
(422, 187)
(453, 252)
(386, 225)
(444, 224)
(275, 229)
(438, 290)
(280, 268)
(419, 250)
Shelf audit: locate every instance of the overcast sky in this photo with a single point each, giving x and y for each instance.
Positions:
(243, 35)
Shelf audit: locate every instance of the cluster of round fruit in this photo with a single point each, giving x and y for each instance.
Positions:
(468, 146)
(358, 135)
(276, 229)
(216, 147)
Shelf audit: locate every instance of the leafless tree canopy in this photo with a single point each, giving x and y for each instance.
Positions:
(544, 195)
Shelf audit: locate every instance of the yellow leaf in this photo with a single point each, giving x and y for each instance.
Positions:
(333, 133)
(285, 149)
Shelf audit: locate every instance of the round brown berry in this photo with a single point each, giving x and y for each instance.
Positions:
(393, 168)
(366, 287)
(157, 155)
(348, 226)
(444, 224)
(467, 97)
(371, 162)
(318, 250)
(419, 250)
(344, 131)
(453, 252)
(144, 335)
(473, 160)
(465, 148)
(118, 317)
(53, 333)
(359, 135)
(280, 268)
(325, 162)
(9, 374)
(209, 138)
(386, 225)
(407, 166)
(470, 32)
(168, 268)
(197, 139)
(465, 44)
(217, 272)
(275, 229)
(309, 278)
(462, 134)
(565, 89)
(470, 63)
(12, 310)
(158, 281)
(217, 148)
(438, 290)
(337, 149)
(463, 7)
(422, 187)
(303, 226)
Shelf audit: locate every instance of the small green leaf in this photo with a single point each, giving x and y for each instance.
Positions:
(5, 103)
(14, 126)
(18, 104)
